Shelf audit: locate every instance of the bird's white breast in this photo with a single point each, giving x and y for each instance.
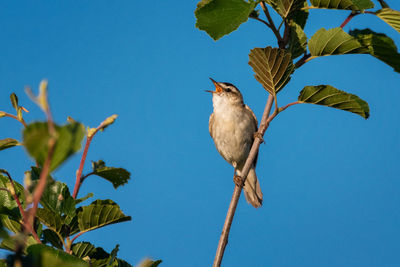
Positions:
(232, 130)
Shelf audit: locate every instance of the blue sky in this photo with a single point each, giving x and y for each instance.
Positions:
(330, 179)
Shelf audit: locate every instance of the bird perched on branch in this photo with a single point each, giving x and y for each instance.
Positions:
(232, 126)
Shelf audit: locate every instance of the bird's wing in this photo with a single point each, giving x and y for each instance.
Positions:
(210, 124)
(254, 116)
(256, 127)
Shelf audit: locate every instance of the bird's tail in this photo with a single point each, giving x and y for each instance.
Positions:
(252, 190)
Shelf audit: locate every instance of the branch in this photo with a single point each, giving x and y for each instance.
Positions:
(14, 117)
(37, 194)
(265, 121)
(91, 133)
(261, 20)
(271, 23)
(223, 241)
(352, 15)
(78, 235)
(12, 191)
(303, 60)
(78, 180)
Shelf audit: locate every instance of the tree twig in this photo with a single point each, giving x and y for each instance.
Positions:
(13, 192)
(37, 194)
(223, 241)
(14, 117)
(349, 17)
(261, 20)
(271, 23)
(79, 180)
(91, 133)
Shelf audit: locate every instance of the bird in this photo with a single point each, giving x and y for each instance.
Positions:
(232, 126)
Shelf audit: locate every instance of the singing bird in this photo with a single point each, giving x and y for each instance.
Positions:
(232, 126)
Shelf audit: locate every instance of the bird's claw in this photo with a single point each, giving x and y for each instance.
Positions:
(259, 136)
(238, 180)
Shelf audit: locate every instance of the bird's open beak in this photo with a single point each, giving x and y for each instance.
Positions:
(218, 88)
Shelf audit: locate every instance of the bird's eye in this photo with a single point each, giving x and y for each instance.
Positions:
(228, 90)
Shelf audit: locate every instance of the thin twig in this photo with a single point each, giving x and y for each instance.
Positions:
(37, 194)
(14, 194)
(92, 132)
(21, 209)
(223, 241)
(303, 60)
(271, 23)
(349, 17)
(78, 235)
(261, 20)
(15, 117)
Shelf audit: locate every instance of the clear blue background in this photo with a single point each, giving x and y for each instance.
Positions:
(330, 178)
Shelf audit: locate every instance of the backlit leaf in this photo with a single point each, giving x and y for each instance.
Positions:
(50, 219)
(83, 249)
(272, 67)
(221, 17)
(36, 138)
(57, 198)
(343, 4)
(46, 256)
(286, 8)
(297, 40)
(100, 213)
(333, 42)
(7, 143)
(329, 96)
(7, 203)
(14, 100)
(391, 17)
(378, 45)
(51, 237)
(117, 176)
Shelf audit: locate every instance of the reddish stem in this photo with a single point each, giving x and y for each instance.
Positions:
(348, 19)
(15, 195)
(23, 214)
(81, 164)
(75, 237)
(15, 117)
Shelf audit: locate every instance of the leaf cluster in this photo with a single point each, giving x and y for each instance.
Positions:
(273, 66)
(60, 217)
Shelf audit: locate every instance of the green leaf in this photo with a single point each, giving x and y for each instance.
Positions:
(329, 96)
(378, 45)
(49, 236)
(83, 249)
(113, 256)
(100, 213)
(272, 67)
(332, 42)
(56, 198)
(79, 200)
(8, 205)
(343, 4)
(10, 243)
(45, 256)
(221, 17)
(390, 16)
(286, 8)
(51, 219)
(7, 143)
(36, 137)
(117, 176)
(297, 40)
(14, 100)
(12, 225)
